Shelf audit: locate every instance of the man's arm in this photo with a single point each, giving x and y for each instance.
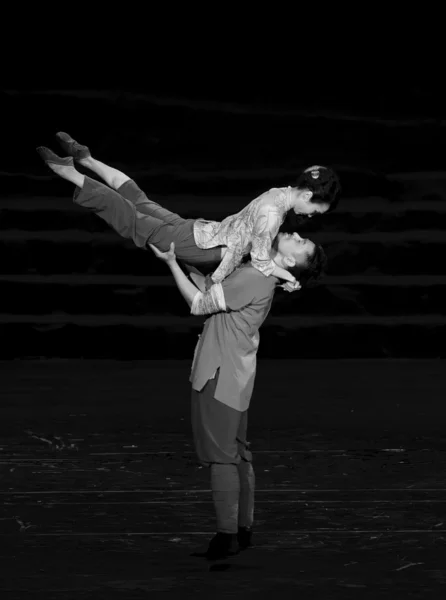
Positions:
(187, 288)
(201, 303)
(237, 291)
(197, 278)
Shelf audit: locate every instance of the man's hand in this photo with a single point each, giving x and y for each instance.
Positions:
(291, 287)
(168, 257)
(187, 288)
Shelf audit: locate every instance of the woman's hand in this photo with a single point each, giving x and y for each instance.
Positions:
(291, 286)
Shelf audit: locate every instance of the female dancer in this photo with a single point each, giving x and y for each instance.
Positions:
(198, 243)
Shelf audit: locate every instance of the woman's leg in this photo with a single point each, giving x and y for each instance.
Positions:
(126, 220)
(123, 217)
(133, 192)
(68, 173)
(116, 180)
(111, 176)
(127, 188)
(118, 212)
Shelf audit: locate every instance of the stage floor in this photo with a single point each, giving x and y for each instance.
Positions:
(101, 495)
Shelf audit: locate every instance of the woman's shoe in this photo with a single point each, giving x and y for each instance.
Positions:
(50, 158)
(72, 147)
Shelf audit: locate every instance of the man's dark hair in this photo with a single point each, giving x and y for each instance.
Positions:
(309, 274)
(324, 183)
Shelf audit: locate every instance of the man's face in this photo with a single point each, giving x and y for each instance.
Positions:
(295, 248)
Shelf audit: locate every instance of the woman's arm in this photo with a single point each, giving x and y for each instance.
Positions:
(283, 274)
(265, 230)
(229, 262)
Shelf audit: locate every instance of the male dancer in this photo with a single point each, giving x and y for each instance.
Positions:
(222, 377)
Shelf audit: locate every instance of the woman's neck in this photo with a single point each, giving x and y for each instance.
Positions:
(290, 198)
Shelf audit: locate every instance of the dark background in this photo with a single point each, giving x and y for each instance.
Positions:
(85, 441)
(205, 147)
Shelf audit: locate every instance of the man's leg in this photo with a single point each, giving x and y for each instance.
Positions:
(247, 485)
(215, 427)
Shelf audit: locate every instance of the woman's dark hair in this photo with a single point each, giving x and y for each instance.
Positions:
(309, 274)
(324, 183)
